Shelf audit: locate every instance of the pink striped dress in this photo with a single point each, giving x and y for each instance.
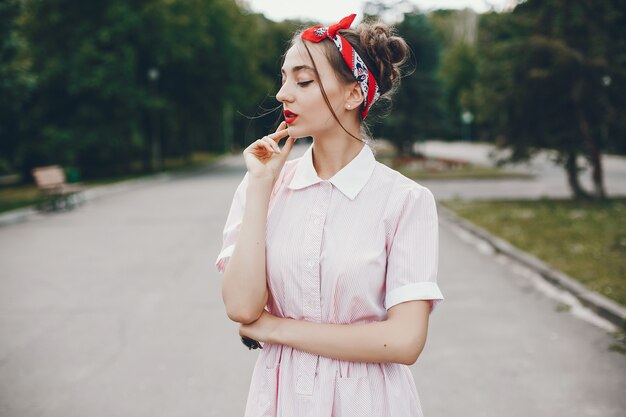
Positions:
(342, 250)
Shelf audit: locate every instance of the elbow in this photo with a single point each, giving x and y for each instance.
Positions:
(243, 310)
(243, 316)
(410, 358)
(411, 351)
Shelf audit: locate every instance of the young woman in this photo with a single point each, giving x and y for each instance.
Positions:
(330, 260)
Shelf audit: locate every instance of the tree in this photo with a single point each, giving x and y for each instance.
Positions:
(16, 83)
(92, 91)
(119, 80)
(457, 30)
(458, 74)
(541, 75)
(258, 111)
(418, 112)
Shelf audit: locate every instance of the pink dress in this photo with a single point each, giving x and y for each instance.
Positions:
(342, 250)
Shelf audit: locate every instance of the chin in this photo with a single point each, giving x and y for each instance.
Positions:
(296, 133)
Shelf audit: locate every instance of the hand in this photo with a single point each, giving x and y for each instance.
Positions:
(263, 329)
(264, 158)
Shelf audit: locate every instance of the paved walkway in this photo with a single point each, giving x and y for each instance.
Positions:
(114, 309)
(550, 179)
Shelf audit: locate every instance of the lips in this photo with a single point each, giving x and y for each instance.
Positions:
(290, 116)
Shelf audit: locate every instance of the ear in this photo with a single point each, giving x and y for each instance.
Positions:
(354, 96)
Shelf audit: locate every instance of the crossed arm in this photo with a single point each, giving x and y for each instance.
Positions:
(399, 339)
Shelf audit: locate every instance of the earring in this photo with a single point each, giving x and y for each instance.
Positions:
(349, 106)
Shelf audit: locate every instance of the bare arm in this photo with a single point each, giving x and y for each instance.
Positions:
(399, 339)
(244, 284)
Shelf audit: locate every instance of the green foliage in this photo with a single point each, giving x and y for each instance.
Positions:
(268, 43)
(548, 75)
(457, 69)
(417, 112)
(458, 74)
(16, 82)
(75, 88)
(82, 73)
(542, 78)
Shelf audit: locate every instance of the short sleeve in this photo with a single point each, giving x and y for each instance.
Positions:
(233, 225)
(412, 260)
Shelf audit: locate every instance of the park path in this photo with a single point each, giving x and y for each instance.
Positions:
(549, 180)
(114, 309)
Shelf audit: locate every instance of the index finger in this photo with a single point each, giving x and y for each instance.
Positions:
(279, 134)
(282, 125)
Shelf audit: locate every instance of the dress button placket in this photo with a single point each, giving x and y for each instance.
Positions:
(311, 296)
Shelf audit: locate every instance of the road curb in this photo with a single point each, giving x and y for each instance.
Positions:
(603, 306)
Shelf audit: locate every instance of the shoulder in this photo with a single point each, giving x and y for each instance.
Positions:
(402, 188)
(408, 200)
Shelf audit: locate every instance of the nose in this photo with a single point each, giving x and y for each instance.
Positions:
(283, 94)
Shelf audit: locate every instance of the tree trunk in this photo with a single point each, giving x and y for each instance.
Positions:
(594, 155)
(571, 167)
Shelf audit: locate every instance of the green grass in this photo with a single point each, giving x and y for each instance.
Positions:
(20, 196)
(15, 197)
(586, 240)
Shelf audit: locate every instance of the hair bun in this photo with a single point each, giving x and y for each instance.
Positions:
(385, 50)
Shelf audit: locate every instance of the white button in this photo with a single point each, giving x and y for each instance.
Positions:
(317, 221)
(311, 263)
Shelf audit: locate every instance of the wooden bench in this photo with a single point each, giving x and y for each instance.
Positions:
(55, 192)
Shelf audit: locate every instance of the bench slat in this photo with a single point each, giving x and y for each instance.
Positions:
(48, 176)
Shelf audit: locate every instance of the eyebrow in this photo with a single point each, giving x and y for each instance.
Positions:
(298, 68)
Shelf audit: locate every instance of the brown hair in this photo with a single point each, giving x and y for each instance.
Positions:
(380, 48)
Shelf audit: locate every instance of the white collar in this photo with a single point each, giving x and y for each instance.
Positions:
(350, 180)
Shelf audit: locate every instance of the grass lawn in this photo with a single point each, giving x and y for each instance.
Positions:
(586, 240)
(19, 196)
(14, 197)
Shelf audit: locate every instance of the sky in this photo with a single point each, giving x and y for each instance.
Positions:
(330, 11)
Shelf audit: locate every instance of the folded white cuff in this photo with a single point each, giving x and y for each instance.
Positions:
(416, 291)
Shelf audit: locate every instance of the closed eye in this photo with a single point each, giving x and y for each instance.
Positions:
(305, 83)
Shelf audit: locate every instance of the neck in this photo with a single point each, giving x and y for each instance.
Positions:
(334, 151)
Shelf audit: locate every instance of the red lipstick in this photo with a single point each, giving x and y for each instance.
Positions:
(290, 116)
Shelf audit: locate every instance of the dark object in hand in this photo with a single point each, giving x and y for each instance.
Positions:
(251, 343)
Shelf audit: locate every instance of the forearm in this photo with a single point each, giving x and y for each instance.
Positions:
(244, 285)
(382, 341)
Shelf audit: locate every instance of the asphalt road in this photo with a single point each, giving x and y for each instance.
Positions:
(114, 309)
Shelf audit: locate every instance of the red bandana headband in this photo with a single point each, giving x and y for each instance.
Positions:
(366, 79)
